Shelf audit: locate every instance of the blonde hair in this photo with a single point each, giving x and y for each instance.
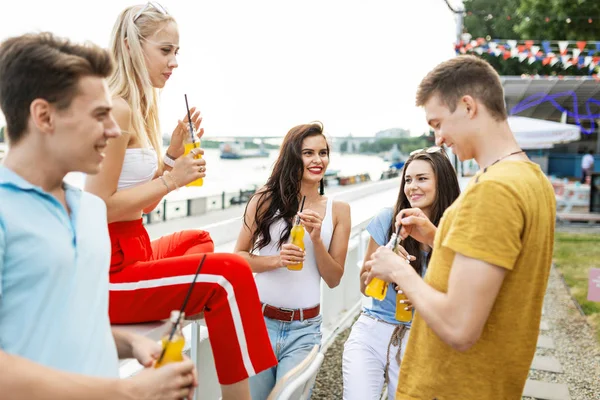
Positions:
(130, 79)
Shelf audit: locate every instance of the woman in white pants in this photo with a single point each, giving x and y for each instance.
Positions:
(374, 350)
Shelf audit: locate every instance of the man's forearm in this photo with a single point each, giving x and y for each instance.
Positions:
(22, 379)
(433, 306)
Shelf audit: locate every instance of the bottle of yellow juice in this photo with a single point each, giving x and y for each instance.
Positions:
(402, 315)
(189, 145)
(377, 288)
(174, 350)
(297, 239)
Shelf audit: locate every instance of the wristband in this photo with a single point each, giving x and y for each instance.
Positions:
(168, 160)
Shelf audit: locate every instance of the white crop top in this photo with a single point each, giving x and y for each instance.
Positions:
(294, 289)
(139, 166)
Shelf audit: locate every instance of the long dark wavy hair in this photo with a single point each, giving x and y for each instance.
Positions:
(446, 191)
(280, 197)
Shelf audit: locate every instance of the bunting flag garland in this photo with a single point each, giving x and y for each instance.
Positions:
(579, 53)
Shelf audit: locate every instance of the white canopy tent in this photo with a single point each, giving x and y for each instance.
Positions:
(532, 133)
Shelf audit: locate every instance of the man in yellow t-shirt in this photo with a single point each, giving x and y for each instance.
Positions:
(479, 307)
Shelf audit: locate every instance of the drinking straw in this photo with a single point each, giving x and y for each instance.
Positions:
(187, 297)
(190, 119)
(301, 208)
(398, 239)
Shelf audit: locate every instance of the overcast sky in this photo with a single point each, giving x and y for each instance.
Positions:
(257, 68)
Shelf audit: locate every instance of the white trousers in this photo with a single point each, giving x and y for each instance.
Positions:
(364, 360)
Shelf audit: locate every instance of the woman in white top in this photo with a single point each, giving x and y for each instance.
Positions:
(290, 299)
(148, 279)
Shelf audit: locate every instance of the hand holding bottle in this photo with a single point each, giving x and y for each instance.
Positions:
(291, 254)
(297, 241)
(188, 168)
(401, 251)
(406, 303)
(182, 132)
(377, 287)
(312, 221)
(415, 223)
(145, 350)
(175, 381)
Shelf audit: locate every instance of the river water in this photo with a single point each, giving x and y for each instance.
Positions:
(233, 175)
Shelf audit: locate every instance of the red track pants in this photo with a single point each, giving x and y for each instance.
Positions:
(149, 279)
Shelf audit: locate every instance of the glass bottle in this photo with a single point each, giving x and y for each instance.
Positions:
(174, 348)
(188, 145)
(297, 239)
(377, 288)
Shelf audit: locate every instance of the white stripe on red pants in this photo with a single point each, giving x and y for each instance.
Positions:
(148, 280)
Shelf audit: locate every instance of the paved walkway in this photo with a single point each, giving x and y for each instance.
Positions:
(567, 361)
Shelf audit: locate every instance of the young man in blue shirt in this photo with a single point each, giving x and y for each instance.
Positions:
(56, 340)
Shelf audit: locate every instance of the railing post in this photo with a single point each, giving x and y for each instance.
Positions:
(223, 200)
(351, 278)
(202, 356)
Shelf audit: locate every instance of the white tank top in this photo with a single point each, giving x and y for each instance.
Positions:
(139, 166)
(294, 289)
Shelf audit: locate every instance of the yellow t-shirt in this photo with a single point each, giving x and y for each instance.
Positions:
(505, 217)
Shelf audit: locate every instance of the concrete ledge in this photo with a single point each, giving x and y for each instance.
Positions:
(546, 363)
(544, 326)
(581, 216)
(546, 391)
(545, 342)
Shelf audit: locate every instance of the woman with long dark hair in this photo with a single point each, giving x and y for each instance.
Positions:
(373, 352)
(289, 295)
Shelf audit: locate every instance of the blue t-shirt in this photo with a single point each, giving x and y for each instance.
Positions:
(385, 309)
(54, 278)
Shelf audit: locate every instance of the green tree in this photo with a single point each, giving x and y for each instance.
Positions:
(568, 19)
(489, 18)
(2, 139)
(533, 19)
(344, 147)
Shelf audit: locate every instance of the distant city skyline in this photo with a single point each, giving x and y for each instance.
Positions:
(259, 68)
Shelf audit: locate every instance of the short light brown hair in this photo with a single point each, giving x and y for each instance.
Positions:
(43, 66)
(462, 76)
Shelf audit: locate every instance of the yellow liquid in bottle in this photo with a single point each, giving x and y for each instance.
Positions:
(297, 235)
(174, 351)
(402, 315)
(188, 148)
(377, 289)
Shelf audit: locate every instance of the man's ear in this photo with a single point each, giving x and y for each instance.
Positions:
(470, 105)
(42, 115)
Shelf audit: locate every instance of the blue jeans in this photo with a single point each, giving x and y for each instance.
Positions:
(291, 342)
